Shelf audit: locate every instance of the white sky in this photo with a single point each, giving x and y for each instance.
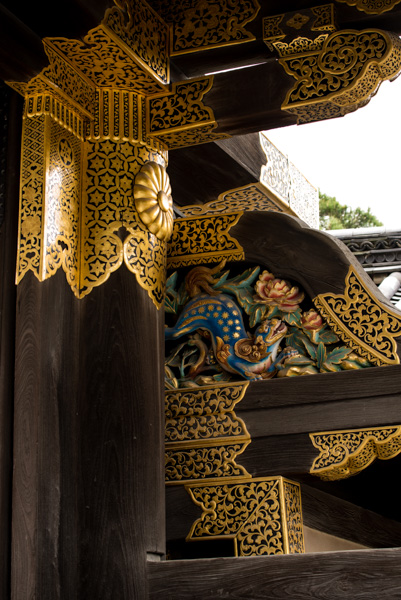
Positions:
(356, 158)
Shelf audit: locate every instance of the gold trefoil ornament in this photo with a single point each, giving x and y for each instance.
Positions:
(153, 200)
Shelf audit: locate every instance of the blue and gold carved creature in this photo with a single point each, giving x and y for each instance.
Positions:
(215, 346)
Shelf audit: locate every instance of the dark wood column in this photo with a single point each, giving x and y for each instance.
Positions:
(10, 134)
(88, 498)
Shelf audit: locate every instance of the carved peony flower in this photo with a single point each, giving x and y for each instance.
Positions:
(277, 292)
(311, 320)
(153, 201)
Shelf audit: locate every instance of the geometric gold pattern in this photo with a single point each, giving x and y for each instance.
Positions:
(262, 516)
(346, 453)
(363, 322)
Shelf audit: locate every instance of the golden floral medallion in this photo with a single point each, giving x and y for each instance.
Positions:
(153, 200)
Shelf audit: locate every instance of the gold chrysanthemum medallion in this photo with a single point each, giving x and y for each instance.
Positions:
(153, 201)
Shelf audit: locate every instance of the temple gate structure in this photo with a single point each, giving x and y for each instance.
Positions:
(199, 391)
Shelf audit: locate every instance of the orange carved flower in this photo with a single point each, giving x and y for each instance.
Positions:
(277, 292)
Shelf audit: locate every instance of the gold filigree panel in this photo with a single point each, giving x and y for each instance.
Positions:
(199, 25)
(203, 240)
(203, 434)
(33, 170)
(362, 321)
(73, 84)
(342, 76)
(181, 117)
(262, 516)
(71, 216)
(204, 462)
(110, 171)
(299, 29)
(246, 198)
(346, 453)
(49, 200)
(372, 7)
(104, 61)
(143, 31)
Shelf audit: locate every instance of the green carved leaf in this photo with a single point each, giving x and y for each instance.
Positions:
(327, 336)
(338, 354)
(320, 355)
(293, 318)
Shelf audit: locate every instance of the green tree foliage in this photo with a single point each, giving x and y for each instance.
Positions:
(333, 215)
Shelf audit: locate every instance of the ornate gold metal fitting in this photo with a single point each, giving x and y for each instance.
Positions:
(372, 7)
(262, 516)
(153, 201)
(203, 434)
(362, 321)
(346, 453)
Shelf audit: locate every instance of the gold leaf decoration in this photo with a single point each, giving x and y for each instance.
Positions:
(249, 197)
(362, 321)
(372, 7)
(255, 513)
(203, 433)
(346, 453)
(153, 201)
(341, 76)
(204, 462)
(199, 25)
(203, 240)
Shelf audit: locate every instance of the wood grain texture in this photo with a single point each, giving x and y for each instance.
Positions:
(292, 250)
(338, 517)
(10, 133)
(89, 483)
(353, 575)
(324, 387)
(121, 452)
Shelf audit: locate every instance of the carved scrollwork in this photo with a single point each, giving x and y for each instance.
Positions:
(345, 453)
(203, 429)
(142, 30)
(183, 106)
(342, 76)
(362, 322)
(256, 514)
(248, 197)
(203, 240)
(372, 7)
(204, 462)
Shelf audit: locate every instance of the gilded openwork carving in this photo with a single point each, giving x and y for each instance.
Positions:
(246, 198)
(372, 7)
(335, 73)
(203, 433)
(142, 30)
(346, 453)
(181, 117)
(362, 321)
(202, 240)
(262, 516)
(199, 25)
